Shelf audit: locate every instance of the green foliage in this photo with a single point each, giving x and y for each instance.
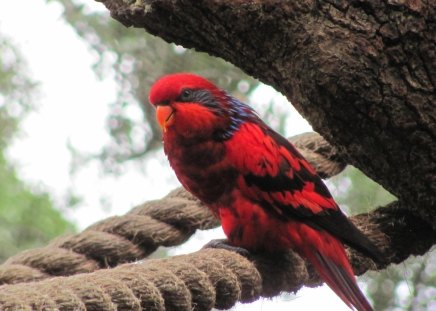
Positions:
(15, 91)
(27, 216)
(356, 193)
(410, 285)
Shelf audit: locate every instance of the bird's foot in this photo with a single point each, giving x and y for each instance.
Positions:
(224, 244)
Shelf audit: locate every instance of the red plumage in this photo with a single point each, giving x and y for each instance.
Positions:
(265, 193)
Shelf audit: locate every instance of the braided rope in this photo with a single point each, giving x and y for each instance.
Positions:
(210, 277)
(115, 240)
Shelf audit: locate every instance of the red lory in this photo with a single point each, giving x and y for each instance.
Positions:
(265, 193)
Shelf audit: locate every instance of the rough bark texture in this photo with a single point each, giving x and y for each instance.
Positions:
(362, 72)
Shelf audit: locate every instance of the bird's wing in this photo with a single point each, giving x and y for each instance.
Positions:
(277, 177)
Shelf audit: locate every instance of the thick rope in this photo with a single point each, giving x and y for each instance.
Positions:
(320, 154)
(210, 277)
(121, 239)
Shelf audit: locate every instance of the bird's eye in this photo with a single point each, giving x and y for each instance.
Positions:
(185, 95)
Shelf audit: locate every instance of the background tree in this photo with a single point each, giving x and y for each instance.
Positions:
(27, 216)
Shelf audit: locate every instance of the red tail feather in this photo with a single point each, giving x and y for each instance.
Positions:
(333, 267)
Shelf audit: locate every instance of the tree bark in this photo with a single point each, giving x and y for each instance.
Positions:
(362, 72)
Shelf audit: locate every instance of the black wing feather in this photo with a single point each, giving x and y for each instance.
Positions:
(330, 220)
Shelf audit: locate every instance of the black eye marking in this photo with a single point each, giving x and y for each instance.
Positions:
(186, 95)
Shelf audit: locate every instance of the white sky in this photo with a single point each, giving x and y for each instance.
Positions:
(72, 107)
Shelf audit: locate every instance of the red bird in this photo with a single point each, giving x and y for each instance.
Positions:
(265, 193)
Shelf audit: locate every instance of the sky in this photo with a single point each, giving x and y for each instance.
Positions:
(72, 107)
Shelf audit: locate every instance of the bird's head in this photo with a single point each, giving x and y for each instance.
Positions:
(192, 107)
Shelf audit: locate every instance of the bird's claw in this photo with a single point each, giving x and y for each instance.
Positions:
(224, 244)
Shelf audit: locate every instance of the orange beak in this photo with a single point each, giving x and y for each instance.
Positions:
(165, 116)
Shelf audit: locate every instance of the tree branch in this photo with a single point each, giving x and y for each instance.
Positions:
(362, 72)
